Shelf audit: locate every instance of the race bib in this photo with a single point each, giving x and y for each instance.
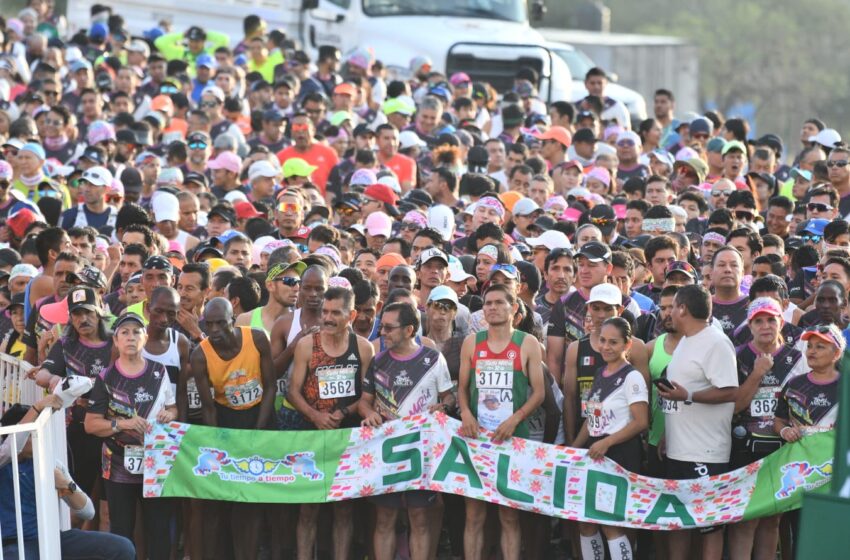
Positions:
(193, 395)
(336, 382)
(764, 403)
(134, 456)
(281, 386)
(244, 394)
(494, 374)
(596, 423)
(671, 407)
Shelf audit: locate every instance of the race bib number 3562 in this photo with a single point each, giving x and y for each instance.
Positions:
(337, 382)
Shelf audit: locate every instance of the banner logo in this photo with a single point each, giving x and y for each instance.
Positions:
(799, 475)
(257, 468)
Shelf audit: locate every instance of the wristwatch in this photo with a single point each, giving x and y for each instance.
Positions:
(115, 428)
(690, 398)
(71, 489)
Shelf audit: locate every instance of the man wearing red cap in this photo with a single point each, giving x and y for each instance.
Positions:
(379, 198)
(306, 148)
(556, 140)
(244, 212)
(404, 167)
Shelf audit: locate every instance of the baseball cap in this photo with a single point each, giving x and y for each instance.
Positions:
(165, 207)
(442, 219)
(828, 333)
(297, 167)
(683, 267)
(206, 248)
(606, 293)
(378, 223)
(557, 133)
(716, 145)
(508, 270)
(814, 226)
(226, 160)
(457, 272)
(34, 148)
(92, 276)
(198, 136)
(408, 139)
(734, 145)
(20, 220)
(381, 192)
(349, 200)
(828, 138)
(197, 178)
(262, 168)
(803, 174)
(131, 178)
(459, 78)
(206, 61)
(594, 251)
(128, 317)
(345, 88)
(432, 253)
(525, 207)
(245, 210)
(390, 260)
(701, 125)
(156, 262)
(603, 217)
(764, 305)
(551, 239)
(23, 269)
(697, 165)
(584, 135)
(443, 293)
(83, 297)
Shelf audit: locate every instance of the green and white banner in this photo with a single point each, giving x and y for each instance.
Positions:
(427, 452)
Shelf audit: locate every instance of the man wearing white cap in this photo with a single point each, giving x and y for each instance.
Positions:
(166, 213)
(524, 212)
(628, 152)
(262, 176)
(20, 276)
(94, 211)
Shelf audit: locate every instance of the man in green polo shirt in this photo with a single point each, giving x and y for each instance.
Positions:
(156, 271)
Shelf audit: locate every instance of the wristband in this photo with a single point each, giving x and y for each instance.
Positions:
(783, 430)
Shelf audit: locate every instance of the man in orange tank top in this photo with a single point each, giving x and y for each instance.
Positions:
(237, 364)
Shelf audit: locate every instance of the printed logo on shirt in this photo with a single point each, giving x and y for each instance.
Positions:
(789, 359)
(511, 354)
(142, 395)
(770, 379)
(482, 353)
(402, 380)
(820, 400)
(352, 357)
(587, 361)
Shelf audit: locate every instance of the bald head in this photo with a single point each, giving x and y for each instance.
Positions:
(164, 293)
(219, 308)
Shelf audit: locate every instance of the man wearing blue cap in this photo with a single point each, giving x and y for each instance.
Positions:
(81, 71)
(204, 75)
(189, 45)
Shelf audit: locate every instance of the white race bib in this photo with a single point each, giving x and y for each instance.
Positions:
(671, 407)
(494, 374)
(134, 456)
(596, 423)
(764, 403)
(193, 395)
(244, 394)
(336, 382)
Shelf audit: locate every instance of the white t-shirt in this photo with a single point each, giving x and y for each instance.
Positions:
(610, 397)
(701, 433)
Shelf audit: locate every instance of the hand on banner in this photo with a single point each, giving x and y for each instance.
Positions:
(599, 449)
(373, 420)
(506, 429)
(470, 425)
(790, 434)
(166, 415)
(326, 421)
(135, 424)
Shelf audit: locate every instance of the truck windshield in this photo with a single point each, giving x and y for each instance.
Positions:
(577, 61)
(505, 10)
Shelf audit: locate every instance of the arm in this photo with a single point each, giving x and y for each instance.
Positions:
(470, 423)
(640, 358)
(183, 378)
(269, 379)
(217, 39)
(639, 423)
(555, 346)
(243, 319)
(570, 391)
(582, 436)
(170, 45)
(277, 338)
(202, 382)
(553, 413)
(367, 353)
(747, 390)
(77, 500)
(532, 360)
(712, 395)
(365, 406)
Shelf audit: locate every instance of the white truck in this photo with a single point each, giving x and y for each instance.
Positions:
(488, 39)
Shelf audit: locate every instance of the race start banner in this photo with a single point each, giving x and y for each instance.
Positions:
(427, 452)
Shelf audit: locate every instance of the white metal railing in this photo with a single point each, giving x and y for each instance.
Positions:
(47, 434)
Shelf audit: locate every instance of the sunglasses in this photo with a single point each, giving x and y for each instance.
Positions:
(173, 89)
(49, 93)
(603, 221)
(10, 151)
(443, 305)
(208, 103)
(811, 237)
(289, 281)
(114, 198)
(410, 227)
(743, 214)
(289, 207)
(198, 146)
(721, 192)
(300, 127)
(837, 163)
(48, 193)
(818, 207)
(302, 248)
(345, 211)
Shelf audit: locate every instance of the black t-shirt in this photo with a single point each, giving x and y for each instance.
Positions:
(36, 324)
(844, 206)
(805, 402)
(74, 357)
(730, 314)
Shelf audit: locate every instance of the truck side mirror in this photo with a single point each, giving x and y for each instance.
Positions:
(309, 4)
(538, 10)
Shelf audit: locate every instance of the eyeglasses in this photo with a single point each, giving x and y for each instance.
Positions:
(289, 207)
(288, 281)
(302, 248)
(837, 163)
(198, 146)
(443, 305)
(345, 210)
(12, 152)
(810, 237)
(700, 136)
(113, 198)
(207, 103)
(626, 143)
(390, 328)
(410, 226)
(721, 192)
(47, 93)
(54, 122)
(173, 89)
(48, 193)
(818, 207)
(743, 215)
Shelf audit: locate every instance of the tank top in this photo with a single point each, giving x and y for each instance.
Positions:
(257, 320)
(82, 220)
(333, 382)
(283, 380)
(182, 237)
(237, 382)
(498, 387)
(170, 358)
(657, 365)
(588, 364)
